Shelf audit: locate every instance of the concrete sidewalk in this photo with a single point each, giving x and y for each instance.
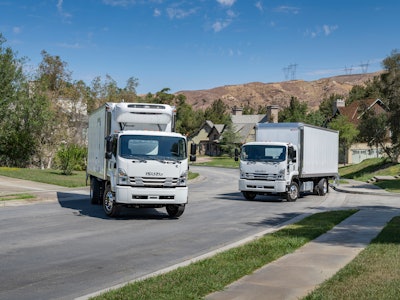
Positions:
(295, 275)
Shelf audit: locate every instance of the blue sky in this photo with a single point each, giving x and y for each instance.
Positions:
(194, 45)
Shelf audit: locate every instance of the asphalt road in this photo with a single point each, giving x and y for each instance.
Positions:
(66, 248)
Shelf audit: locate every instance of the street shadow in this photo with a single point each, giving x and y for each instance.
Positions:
(82, 207)
(259, 198)
(278, 220)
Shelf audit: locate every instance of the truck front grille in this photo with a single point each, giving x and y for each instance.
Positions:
(260, 176)
(157, 182)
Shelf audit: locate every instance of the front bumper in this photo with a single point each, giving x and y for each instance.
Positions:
(262, 186)
(153, 196)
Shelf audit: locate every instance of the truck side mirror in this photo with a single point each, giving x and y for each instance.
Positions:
(193, 150)
(292, 154)
(109, 145)
(237, 153)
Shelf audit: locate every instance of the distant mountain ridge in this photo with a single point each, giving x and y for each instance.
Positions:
(257, 94)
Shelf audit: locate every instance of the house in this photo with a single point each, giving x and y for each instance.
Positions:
(207, 138)
(354, 112)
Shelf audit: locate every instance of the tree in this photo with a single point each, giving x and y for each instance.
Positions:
(22, 113)
(188, 120)
(230, 139)
(295, 112)
(217, 113)
(373, 129)
(347, 134)
(390, 88)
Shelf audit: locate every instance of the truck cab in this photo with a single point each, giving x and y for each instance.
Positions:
(266, 168)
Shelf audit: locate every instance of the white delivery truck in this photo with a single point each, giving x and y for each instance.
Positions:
(287, 159)
(135, 158)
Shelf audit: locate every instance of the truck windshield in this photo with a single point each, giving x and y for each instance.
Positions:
(152, 147)
(263, 153)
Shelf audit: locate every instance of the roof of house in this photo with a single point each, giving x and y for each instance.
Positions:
(356, 109)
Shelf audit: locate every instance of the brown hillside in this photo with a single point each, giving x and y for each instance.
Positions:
(258, 94)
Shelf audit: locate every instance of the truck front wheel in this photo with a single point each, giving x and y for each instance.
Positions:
(174, 210)
(293, 192)
(249, 195)
(109, 206)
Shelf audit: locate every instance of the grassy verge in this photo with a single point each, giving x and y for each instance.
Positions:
(373, 274)
(369, 168)
(16, 197)
(77, 179)
(204, 277)
(216, 161)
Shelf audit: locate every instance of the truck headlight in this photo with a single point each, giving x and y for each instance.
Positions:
(183, 179)
(244, 175)
(123, 178)
(281, 174)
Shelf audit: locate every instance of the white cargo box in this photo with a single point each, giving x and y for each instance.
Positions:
(318, 147)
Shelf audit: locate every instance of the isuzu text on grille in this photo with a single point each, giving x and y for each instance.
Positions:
(154, 174)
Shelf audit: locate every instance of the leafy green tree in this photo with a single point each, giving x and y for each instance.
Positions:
(295, 112)
(230, 139)
(348, 133)
(315, 118)
(217, 113)
(22, 112)
(373, 129)
(390, 88)
(326, 106)
(188, 120)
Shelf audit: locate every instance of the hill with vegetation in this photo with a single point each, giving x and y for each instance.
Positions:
(258, 94)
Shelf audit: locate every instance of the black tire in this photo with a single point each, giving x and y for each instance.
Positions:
(109, 205)
(293, 192)
(249, 195)
(175, 210)
(322, 187)
(96, 191)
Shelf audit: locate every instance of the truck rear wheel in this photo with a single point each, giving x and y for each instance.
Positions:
(96, 191)
(109, 205)
(249, 195)
(175, 210)
(293, 192)
(322, 188)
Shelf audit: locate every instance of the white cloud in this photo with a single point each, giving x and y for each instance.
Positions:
(259, 6)
(287, 9)
(17, 30)
(329, 29)
(226, 2)
(321, 30)
(61, 11)
(156, 13)
(178, 13)
(218, 26)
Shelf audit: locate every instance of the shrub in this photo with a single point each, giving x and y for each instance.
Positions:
(71, 157)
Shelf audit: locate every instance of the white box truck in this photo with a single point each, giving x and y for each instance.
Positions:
(135, 158)
(287, 159)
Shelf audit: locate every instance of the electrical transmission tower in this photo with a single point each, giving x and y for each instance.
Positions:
(348, 70)
(364, 67)
(290, 71)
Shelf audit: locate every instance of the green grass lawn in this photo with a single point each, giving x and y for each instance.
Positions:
(212, 274)
(219, 161)
(373, 274)
(77, 179)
